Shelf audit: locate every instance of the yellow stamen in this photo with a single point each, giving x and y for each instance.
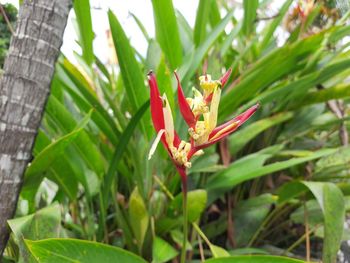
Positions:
(207, 84)
(180, 154)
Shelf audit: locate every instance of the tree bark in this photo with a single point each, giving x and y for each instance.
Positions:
(24, 88)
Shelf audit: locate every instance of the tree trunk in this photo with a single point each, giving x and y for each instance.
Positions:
(24, 89)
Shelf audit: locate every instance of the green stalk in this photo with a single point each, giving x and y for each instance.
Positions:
(183, 175)
(185, 227)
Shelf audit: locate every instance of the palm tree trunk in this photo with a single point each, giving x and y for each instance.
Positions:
(24, 88)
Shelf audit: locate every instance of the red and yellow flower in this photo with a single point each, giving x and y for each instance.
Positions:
(199, 112)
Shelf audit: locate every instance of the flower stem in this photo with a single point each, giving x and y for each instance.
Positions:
(185, 218)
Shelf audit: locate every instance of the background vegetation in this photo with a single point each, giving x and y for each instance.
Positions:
(278, 186)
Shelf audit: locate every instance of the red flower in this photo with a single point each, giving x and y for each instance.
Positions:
(200, 114)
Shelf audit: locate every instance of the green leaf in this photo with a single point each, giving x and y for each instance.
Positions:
(45, 159)
(196, 203)
(332, 93)
(141, 26)
(86, 35)
(89, 97)
(240, 138)
(44, 223)
(195, 58)
(252, 166)
(218, 252)
(248, 251)
(167, 32)
(255, 259)
(177, 236)
(84, 148)
(202, 17)
(120, 149)
(267, 70)
(162, 251)
(270, 29)
(154, 56)
(60, 171)
(138, 216)
(79, 251)
(248, 216)
(132, 75)
(186, 34)
(214, 15)
(164, 82)
(250, 7)
(331, 201)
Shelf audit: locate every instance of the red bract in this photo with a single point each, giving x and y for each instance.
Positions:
(185, 109)
(200, 114)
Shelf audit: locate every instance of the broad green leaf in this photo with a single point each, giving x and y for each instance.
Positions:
(83, 145)
(138, 216)
(240, 138)
(167, 32)
(45, 159)
(79, 251)
(132, 75)
(196, 203)
(331, 201)
(60, 171)
(250, 7)
(44, 223)
(206, 163)
(162, 251)
(252, 166)
(248, 216)
(202, 17)
(255, 259)
(248, 251)
(86, 35)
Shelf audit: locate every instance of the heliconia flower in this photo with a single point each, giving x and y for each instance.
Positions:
(164, 125)
(199, 112)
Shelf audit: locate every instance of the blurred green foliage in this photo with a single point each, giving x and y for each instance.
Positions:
(5, 32)
(280, 185)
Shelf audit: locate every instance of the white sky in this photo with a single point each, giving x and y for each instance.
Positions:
(141, 8)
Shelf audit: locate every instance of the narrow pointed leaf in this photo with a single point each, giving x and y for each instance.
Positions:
(130, 70)
(201, 22)
(167, 32)
(86, 35)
